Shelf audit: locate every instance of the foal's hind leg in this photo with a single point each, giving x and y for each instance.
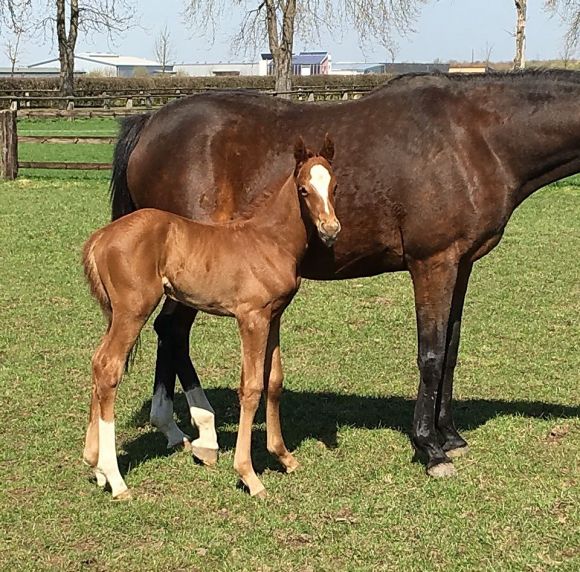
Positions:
(108, 365)
(173, 326)
(91, 452)
(254, 329)
(274, 378)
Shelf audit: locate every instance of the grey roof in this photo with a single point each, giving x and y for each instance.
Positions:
(401, 68)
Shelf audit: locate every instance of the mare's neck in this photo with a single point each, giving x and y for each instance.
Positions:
(539, 139)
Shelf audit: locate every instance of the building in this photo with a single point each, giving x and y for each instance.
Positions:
(304, 63)
(221, 69)
(469, 68)
(111, 65)
(31, 72)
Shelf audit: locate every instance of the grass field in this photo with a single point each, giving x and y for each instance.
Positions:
(358, 502)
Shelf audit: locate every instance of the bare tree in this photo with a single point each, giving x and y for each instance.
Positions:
(12, 48)
(278, 21)
(64, 19)
(520, 34)
(569, 11)
(163, 48)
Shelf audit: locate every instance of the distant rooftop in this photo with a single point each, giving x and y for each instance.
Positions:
(303, 58)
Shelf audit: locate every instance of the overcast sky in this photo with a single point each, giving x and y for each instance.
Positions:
(446, 30)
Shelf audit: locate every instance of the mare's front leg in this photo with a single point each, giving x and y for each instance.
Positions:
(434, 282)
(173, 326)
(274, 378)
(453, 443)
(254, 331)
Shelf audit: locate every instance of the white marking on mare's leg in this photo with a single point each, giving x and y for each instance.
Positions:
(162, 418)
(320, 179)
(107, 463)
(203, 417)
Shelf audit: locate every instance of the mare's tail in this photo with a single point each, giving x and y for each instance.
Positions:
(121, 201)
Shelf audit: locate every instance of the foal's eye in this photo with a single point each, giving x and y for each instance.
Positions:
(303, 191)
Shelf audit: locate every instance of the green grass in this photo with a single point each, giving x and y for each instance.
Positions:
(358, 502)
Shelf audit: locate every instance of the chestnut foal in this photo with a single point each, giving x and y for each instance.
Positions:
(247, 269)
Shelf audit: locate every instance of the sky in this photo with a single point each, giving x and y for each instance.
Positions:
(446, 30)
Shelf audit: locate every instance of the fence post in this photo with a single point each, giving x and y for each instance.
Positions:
(8, 145)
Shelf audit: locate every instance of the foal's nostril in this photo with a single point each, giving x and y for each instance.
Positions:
(332, 227)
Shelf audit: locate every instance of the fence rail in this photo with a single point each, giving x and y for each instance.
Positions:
(127, 100)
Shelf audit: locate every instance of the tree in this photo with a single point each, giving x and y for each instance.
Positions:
(163, 48)
(278, 21)
(520, 34)
(12, 48)
(64, 19)
(569, 11)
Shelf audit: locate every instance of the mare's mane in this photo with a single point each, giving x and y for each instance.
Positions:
(537, 75)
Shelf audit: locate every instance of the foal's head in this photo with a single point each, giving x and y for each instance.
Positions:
(316, 186)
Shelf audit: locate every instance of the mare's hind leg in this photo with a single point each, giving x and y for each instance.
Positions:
(434, 282)
(173, 326)
(274, 378)
(453, 444)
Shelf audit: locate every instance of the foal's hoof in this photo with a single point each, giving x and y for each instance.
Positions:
(260, 494)
(442, 470)
(456, 453)
(124, 496)
(100, 479)
(205, 456)
(291, 466)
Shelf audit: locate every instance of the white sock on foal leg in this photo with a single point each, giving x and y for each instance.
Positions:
(162, 418)
(107, 463)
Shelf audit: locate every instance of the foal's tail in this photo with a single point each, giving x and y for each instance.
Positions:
(99, 291)
(93, 276)
(121, 201)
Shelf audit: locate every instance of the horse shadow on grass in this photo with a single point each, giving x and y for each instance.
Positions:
(312, 415)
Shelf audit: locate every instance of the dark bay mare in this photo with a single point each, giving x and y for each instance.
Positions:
(430, 169)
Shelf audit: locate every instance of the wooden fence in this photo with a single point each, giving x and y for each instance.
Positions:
(9, 139)
(107, 104)
(110, 105)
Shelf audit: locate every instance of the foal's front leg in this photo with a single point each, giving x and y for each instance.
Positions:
(254, 329)
(274, 378)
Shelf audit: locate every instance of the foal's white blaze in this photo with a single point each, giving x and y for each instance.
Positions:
(320, 180)
(107, 463)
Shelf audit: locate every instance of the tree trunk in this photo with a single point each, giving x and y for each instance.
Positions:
(281, 44)
(8, 145)
(67, 44)
(283, 72)
(520, 58)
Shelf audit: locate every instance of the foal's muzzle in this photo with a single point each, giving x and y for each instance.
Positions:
(328, 231)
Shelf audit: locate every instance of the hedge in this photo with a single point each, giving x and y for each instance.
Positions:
(98, 85)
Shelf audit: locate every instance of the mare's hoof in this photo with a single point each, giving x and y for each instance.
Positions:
(205, 456)
(124, 496)
(456, 453)
(179, 445)
(442, 470)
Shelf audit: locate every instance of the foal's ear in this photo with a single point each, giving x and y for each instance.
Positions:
(300, 151)
(327, 150)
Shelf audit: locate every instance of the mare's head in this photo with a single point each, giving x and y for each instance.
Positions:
(316, 186)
